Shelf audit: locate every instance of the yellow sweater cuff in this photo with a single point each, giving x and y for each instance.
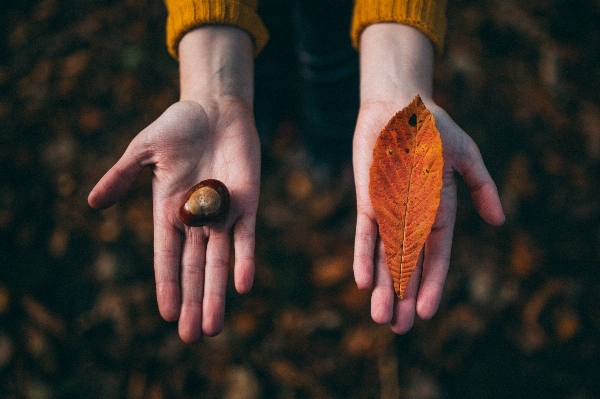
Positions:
(429, 16)
(185, 15)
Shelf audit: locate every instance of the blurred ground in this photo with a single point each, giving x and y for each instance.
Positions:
(78, 317)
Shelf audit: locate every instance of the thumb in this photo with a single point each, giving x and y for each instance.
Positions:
(484, 193)
(118, 180)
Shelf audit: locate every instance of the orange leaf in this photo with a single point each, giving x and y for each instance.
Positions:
(405, 185)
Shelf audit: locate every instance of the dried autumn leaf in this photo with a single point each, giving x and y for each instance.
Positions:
(405, 185)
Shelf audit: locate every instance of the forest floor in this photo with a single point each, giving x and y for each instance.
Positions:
(78, 315)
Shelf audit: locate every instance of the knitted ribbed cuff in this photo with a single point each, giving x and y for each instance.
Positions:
(429, 16)
(185, 15)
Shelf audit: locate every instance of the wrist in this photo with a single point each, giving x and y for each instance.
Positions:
(215, 63)
(396, 63)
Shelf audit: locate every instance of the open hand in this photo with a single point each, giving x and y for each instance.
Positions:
(423, 294)
(189, 143)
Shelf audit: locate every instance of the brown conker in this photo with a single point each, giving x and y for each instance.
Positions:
(206, 202)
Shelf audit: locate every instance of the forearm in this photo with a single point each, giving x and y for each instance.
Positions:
(396, 64)
(217, 62)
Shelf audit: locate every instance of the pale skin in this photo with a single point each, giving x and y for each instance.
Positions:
(396, 63)
(210, 133)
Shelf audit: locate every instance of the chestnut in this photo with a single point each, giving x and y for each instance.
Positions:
(206, 202)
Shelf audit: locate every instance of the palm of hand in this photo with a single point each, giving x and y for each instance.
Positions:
(185, 145)
(424, 291)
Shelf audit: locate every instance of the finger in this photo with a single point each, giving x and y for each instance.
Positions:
(193, 259)
(215, 282)
(437, 254)
(382, 297)
(167, 258)
(484, 192)
(118, 180)
(404, 310)
(364, 250)
(243, 242)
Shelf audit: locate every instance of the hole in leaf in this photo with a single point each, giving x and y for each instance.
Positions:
(413, 120)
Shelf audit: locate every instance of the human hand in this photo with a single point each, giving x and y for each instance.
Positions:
(210, 133)
(383, 93)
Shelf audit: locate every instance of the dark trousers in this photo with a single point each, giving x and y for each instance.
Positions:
(308, 73)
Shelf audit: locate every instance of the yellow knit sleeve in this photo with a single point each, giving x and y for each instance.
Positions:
(429, 16)
(185, 15)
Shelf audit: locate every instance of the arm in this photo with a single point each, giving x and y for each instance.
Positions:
(396, 64)
(209, 133)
